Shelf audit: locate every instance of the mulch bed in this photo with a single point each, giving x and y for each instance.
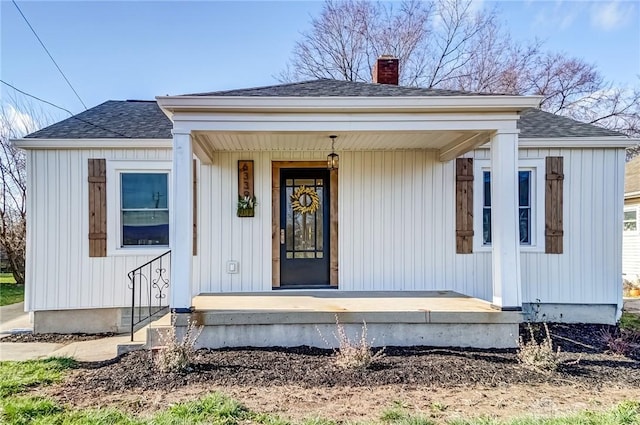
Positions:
(54, 338)
(586, 362)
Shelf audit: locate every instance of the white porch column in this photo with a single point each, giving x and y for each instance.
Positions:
(182, 223)
(505, 234)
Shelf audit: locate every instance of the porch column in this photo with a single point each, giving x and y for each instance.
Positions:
(182, 222)
(505, 233)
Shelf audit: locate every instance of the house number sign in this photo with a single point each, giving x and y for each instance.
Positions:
(246, 196)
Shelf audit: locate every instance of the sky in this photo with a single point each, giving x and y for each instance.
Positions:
(142, 49)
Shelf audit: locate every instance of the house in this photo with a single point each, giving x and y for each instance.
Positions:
(631, 222)
(481, 207)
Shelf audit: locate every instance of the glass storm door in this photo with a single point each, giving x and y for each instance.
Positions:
(304, 227)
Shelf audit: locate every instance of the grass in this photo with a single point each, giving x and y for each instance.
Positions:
(626, 413)
(219, 409)
(10, 293)
(630, 321)
(16, 377)
(215, 409)
(7, 278)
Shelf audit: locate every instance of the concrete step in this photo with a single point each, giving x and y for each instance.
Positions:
(147, 336)
(484, 329)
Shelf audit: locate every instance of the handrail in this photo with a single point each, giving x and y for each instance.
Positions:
(154, 273)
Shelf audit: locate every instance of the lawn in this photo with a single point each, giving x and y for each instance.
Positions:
(10, 293)
(16, 377)
(21, 403)
(630, 321)
(216, 408)
(7, 278)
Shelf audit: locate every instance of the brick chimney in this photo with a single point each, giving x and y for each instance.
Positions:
(386, 70)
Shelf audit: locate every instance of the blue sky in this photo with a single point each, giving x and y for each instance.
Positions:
(141, 49)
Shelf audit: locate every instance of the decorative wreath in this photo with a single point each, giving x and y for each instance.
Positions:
(305, 200)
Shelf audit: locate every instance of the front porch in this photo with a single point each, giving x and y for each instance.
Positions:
(293, 318)
(397, 216)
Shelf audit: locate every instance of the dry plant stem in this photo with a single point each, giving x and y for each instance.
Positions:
(538, 355)
(620, 342)
(176, 354)
(356, 354)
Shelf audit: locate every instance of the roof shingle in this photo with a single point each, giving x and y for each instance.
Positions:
(145, 120)
(535, 123)
(113, 119)
(337, 88)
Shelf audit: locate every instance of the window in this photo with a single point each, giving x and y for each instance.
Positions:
(530, 205)
(144, 209)
(524, 195)
(630, 220)
(138, 217)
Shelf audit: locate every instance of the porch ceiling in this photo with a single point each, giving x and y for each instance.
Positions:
(448, 143)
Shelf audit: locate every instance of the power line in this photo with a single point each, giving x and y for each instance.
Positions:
(47, 50)
(36, 97)
(75, 117)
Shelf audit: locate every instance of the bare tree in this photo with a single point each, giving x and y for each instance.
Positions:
(431, 40)
(449, 44)
(16, 120)
(336, 48)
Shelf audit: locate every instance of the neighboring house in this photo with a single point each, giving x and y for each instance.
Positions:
(436, 190)
(631, 223)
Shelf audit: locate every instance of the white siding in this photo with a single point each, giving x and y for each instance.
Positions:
(589, 270)
(223, 236)
(396, 229)
(397, 226)
(60, 274)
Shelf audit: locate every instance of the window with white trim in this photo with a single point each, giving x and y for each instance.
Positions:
(144, 209)
(140, 196)
(630, 222)
(530, 205)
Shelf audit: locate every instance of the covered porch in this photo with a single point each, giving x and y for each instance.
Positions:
(402, 307)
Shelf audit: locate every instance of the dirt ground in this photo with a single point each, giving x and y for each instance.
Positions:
(303, 382)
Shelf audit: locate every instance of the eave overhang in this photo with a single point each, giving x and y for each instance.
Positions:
(349, 104)
(42, 143)
(578, 142)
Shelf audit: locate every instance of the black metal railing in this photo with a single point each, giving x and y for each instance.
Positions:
(149, 284)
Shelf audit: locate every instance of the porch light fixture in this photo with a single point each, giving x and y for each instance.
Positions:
(333, 159)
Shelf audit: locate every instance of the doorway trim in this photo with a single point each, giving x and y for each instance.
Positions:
(276, 166)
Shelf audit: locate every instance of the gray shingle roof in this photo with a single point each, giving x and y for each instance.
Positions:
(535, 124)
(112, 119)
(328, 88)
(145, 120)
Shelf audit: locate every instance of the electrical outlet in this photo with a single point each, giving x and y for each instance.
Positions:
(233, 267)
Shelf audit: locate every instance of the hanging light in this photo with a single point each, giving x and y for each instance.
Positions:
(333, 158)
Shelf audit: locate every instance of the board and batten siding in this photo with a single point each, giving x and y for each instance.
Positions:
(396, 228)
(589, 269)
(60, 273)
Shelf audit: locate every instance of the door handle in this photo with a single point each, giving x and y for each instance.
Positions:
(281, 236)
